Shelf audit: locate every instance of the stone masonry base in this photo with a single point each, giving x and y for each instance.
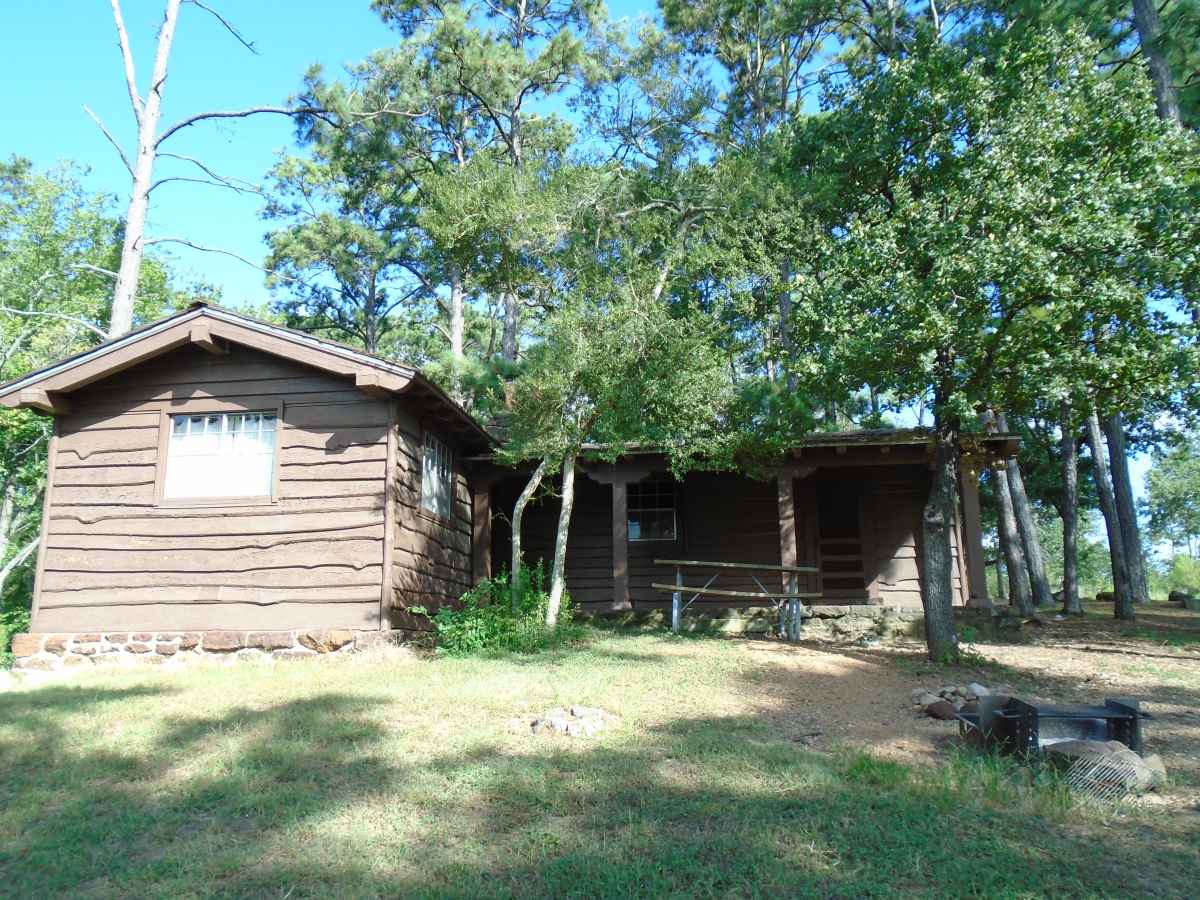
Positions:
(824, 623)
(51, 652)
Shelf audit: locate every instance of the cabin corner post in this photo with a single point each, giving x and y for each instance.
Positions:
(972, 526)
(481, 529)
(620, 545)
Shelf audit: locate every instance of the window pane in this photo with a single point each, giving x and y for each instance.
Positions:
(652, 525)
(221, 455)
(437, 474)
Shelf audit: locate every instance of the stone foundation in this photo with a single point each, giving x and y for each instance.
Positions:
(824, 623)
(52, 652)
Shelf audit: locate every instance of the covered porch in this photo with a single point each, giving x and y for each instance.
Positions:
(848, 504)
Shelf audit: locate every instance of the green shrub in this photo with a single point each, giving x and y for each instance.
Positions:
(13, 620)
(486, 621)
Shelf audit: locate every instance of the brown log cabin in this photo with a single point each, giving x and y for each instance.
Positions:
(216, 482)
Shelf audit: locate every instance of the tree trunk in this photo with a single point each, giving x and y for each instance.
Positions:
(1135, 558)
(1149, 29)
(18, 558)
(146, 114)
(457, 331)
(531, 486)
(1123, 606)
(937, 523)
(1020, 593)
(512, 322)
(1070, 517)
(559, 569)
(786, 364)
(1027, 528)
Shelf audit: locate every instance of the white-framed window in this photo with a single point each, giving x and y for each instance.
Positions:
(437, 477)
(220, 455)
(650, 505)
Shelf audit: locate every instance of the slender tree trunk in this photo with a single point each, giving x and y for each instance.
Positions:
(1123, 606)
(1149, 29)
(18, 558)
(1020, 591)
(937, 523)
(457, 331)
(1070, 516)
(531, 486)
(512, 324)
(1027, 528)
(558, 576)
(785, 329)
(1135, 558)
(147, 114)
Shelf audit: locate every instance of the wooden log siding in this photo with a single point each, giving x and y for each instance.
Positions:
(116, 559)
(432, 557)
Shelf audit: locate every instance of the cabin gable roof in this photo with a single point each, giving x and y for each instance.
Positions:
(211, 329)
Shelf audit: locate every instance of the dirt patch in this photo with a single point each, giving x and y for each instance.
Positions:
(862, 697)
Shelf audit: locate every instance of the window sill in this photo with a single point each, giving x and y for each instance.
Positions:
(435, 518)
(665, 540)
(193, 502)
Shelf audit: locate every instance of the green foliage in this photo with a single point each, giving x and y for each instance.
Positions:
(998, 221)
(486, 622)
(1173, 495)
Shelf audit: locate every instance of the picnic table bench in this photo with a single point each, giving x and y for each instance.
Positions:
(787, 603)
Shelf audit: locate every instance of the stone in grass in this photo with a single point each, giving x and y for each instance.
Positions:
(578, 721)
(942, 709)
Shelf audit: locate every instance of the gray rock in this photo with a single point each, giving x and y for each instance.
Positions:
(927, 698)
(977, 690)
(943, 710)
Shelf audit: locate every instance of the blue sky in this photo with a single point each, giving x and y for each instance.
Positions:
(57, 55)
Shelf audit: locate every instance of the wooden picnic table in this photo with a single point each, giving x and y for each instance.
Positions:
(787, 602)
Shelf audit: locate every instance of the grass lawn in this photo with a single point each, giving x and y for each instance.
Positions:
(396, 775)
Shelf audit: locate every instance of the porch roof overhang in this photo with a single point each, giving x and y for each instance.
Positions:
(835, 449)
(213, 329)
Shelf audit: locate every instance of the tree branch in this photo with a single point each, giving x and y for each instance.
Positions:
(112, 140)
(23, 554)
(127, 57)
(46, 314)
(249, 45)
(316, 111)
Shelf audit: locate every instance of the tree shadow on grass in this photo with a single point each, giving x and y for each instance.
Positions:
(310, 798)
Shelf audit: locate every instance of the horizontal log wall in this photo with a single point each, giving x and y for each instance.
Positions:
(898, 496)
(115, 557)
(431, 557)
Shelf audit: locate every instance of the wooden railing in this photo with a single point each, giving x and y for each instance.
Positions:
(787, 603)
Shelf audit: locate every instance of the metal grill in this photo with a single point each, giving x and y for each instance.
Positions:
(1102, 778)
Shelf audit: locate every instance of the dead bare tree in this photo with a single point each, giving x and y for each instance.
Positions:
(147, 111)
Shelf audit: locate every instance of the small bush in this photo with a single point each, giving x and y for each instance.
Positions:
(487, 622)
(13, 620)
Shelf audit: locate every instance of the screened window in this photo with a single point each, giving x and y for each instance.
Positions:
(437, 477)
(221, 455)
(651, 509)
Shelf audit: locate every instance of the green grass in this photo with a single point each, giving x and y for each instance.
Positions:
(385, 776)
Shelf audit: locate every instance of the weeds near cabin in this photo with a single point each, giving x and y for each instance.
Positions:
(487, 623)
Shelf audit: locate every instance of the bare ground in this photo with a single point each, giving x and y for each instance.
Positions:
(862, 697)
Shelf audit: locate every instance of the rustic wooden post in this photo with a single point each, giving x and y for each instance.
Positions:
(481, 531)
(977, 590)
(677, 600)
(789, 553)
(620, 545)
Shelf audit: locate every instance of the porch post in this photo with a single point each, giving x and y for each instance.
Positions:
(620, 545)
(481, 531)
(789, 554)
(977, 591)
